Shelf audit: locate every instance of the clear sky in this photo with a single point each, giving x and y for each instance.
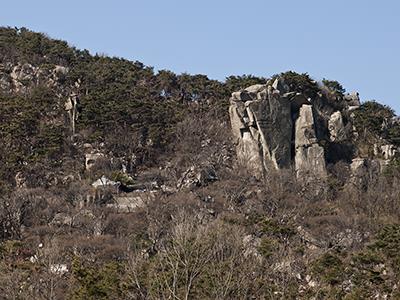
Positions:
(356, 42)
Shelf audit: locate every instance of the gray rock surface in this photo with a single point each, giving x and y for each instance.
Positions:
(71, 106)
(277, 127)
(305, 132)
(388, 151)
(262, 119)
(353, 99)
(262, 128)
(254, 89)
(336, 127)
(310, 157)
(91, 158)
(21, 77)
(310, 162)
(365, 170)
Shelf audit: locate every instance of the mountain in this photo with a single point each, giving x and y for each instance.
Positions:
(119, 182)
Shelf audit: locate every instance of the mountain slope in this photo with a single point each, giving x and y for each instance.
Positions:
(121, 183)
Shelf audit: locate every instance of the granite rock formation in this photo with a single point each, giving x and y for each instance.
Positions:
(277, 128)
(309, 155)
(261, 123)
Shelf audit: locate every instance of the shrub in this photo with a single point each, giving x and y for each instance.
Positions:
(301, 83)
(330, 268)
(96, 282)
(388, 242)
(267, 247)
(334, 86)
(375, 124)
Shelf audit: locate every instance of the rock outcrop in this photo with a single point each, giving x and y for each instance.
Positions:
(91, 158)
(365, 170)
(336, 127)
(261, 123)
(388, 151)
(194, 177)
(20, 77)
(276, 127)
(71, 107)
(352, 99)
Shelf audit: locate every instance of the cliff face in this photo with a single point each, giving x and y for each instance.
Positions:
(262, 124)
(309, 155)
(277, 127)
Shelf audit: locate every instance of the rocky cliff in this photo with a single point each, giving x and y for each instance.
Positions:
(277, 127)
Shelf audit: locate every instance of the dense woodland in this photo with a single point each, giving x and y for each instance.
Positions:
(225, 235)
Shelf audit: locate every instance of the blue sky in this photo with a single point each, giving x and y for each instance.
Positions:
(356, 42)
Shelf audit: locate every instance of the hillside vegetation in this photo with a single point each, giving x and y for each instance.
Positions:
(119, 182)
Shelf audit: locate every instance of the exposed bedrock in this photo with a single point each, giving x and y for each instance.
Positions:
(277, 128)
(262, 125)
(309, 156)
